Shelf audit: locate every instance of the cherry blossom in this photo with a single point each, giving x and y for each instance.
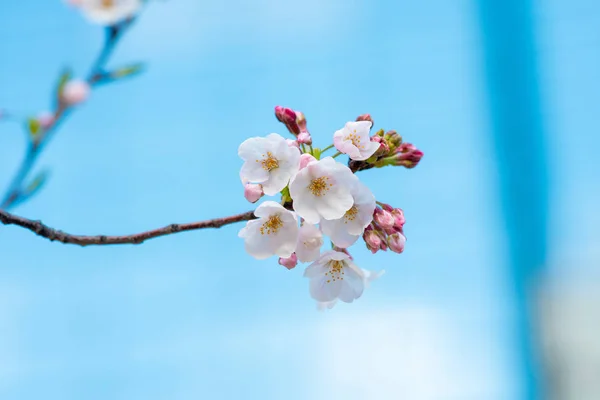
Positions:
(353, 139)
(334, 276)
(310, 240)
(275, 232)
(108, 12)
(322, 190)
(346, 230)
(368, 277)
(268, 161)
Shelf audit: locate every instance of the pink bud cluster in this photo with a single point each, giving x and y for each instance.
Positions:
(295, 122)
(392, 151)
(386, 230)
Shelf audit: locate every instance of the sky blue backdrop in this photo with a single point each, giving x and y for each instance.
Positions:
(191, 315)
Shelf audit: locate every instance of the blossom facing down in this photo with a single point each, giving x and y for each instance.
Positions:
(322, 190)
(310, 240)
(268, 161)
(275, 232)
(108, 12)
(353, 139)
(334, 276)
(75, 92)
(369, 276)
(346, 230)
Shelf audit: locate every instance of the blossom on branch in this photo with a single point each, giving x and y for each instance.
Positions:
(275, 232)
(322, 190)
(335, 277)
(108, 12)
(346, 230)
(268, 161)
(353, 139)
(328, 200)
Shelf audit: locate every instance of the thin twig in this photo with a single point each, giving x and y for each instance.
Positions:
(14, 193)
(52, 234)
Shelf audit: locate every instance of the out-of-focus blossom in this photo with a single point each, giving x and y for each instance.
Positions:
(107, 12)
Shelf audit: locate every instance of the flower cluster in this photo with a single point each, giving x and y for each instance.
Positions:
(321, 197)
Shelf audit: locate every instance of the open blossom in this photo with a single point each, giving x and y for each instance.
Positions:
(353, 139)
(322, 190)
(346, 230)
(310, 240)
(268, 161)
(275, 232)
(368, 277)
(334, 276)
(108, 12)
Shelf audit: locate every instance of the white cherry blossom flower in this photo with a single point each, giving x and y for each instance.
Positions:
(275, 232)
(108, 12)
(353, 139)
(334, 276)
(322, 190)
(369, 276)
(268, 161)
(310, 240)
(346, 230)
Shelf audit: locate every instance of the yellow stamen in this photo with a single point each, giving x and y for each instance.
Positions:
(107, 3)
(350, 214)
(272, 226)
(336, 270)
(319, 186)
(269, 162)
(355, 139)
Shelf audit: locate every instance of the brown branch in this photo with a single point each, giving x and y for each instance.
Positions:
(51, 234)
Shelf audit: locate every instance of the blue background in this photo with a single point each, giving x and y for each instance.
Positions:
(191, 315)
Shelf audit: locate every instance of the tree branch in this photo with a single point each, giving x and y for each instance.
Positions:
(14, 194)
(52, 234)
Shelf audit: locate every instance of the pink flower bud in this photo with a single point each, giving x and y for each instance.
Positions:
(301, 121)
(293, 120)
(289, 262)
(372, 240)
(46, 119)
(305, 159)
(396, 242)
(305, 138)
(407, 155)
(399, 220)
(253, 192)
(365, 117)
(75, 92)
(383, 218)
(293, 143)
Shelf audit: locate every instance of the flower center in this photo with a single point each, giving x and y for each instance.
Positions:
(350, 214)
(319, 186)
(269, 162)
(107, 3)
(355, 139)
(336, 270)
(272, 226)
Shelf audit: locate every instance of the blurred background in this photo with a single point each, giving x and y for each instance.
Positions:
(496, 296)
